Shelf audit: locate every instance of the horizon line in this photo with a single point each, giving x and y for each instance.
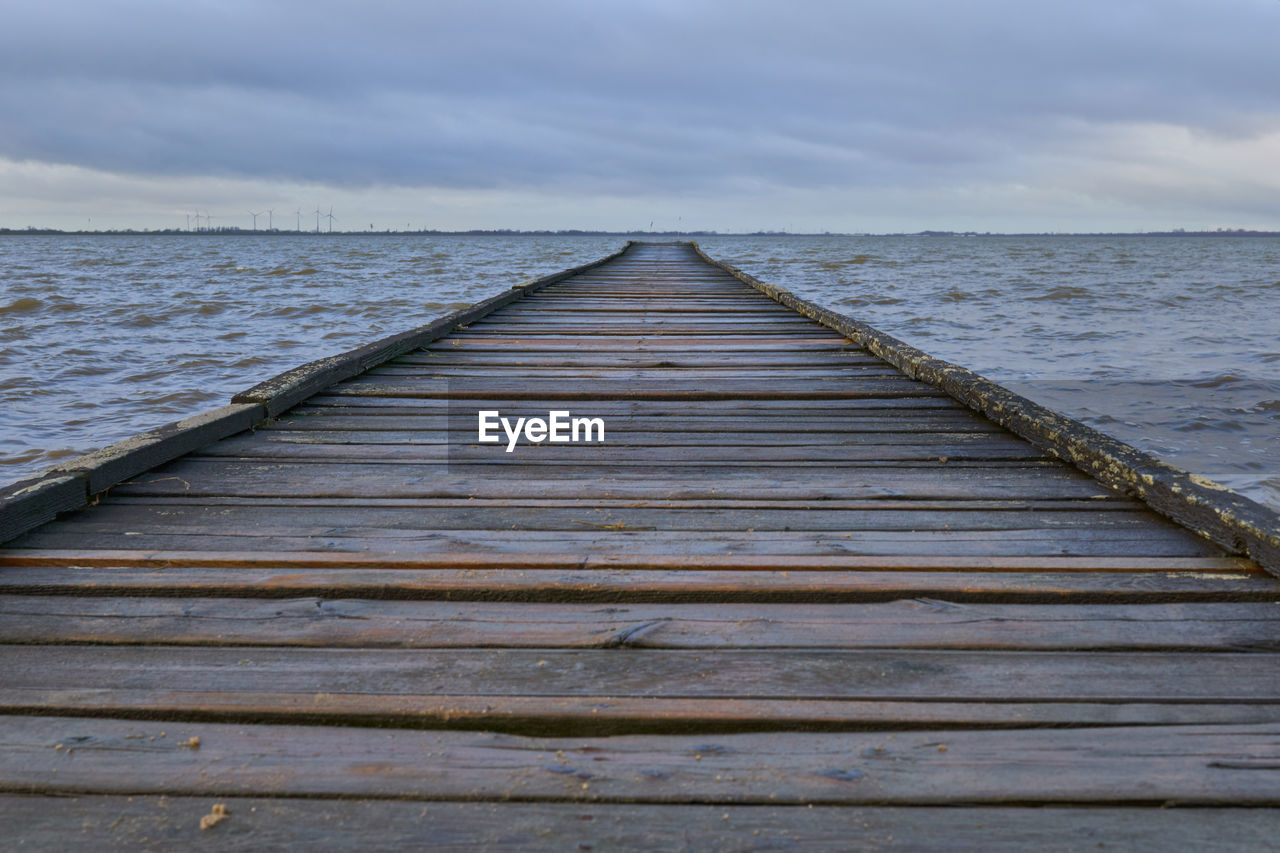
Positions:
(237, 231)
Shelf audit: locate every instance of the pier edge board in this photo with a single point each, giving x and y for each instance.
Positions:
(27, 504)
(1221, 515)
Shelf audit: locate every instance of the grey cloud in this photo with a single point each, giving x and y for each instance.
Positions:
(616, 97)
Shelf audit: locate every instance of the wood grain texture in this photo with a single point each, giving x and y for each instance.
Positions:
(1226, 765)
(619, 584)
(105, 822)
(903, 624)
(879, 675)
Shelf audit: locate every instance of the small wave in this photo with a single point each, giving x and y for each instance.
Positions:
(1205, 424)
(19, 306)
(95, 369)
(1217, 381)
(297, 311)
(1063, 292)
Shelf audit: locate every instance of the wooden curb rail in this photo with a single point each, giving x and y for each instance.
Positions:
(1221, 515)
(71, 485)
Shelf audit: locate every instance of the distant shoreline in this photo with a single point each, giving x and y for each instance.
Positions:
(504, 232)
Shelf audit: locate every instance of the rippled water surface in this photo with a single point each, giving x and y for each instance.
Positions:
(1170, 344)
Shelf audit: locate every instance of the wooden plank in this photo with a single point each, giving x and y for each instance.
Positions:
(1069, 505)
(791, 342)
(44, 673)
(862, 416)
(256, 823)
(1230, 765)
(642, 324)
(479, 577)
(903, 624)
(836, 427)
(131, 515)
(486, 580)
(638, 325)
(195, 477)
(369, 431)
(539, 388)
(460, 447)
(587, 314)
(487, 373)
(573, 563)
(586, 308)
(639, 545)
(453, 357)
(606, 715)
(464, 450)
(676, 410)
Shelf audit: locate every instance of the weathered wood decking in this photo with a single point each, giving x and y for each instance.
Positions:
(796, 599)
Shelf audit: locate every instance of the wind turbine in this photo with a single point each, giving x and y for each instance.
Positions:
(255, 218)
(299, 228)
(317, 220)
(208, 221)
(330, 219)
(197, 220)
(270, 211)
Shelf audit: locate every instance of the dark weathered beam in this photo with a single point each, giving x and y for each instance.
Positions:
(129, 457)
(28, 504)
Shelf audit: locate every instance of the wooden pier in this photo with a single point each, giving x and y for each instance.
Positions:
(797, 599)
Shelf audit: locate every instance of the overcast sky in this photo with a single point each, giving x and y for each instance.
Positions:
(841, 116)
